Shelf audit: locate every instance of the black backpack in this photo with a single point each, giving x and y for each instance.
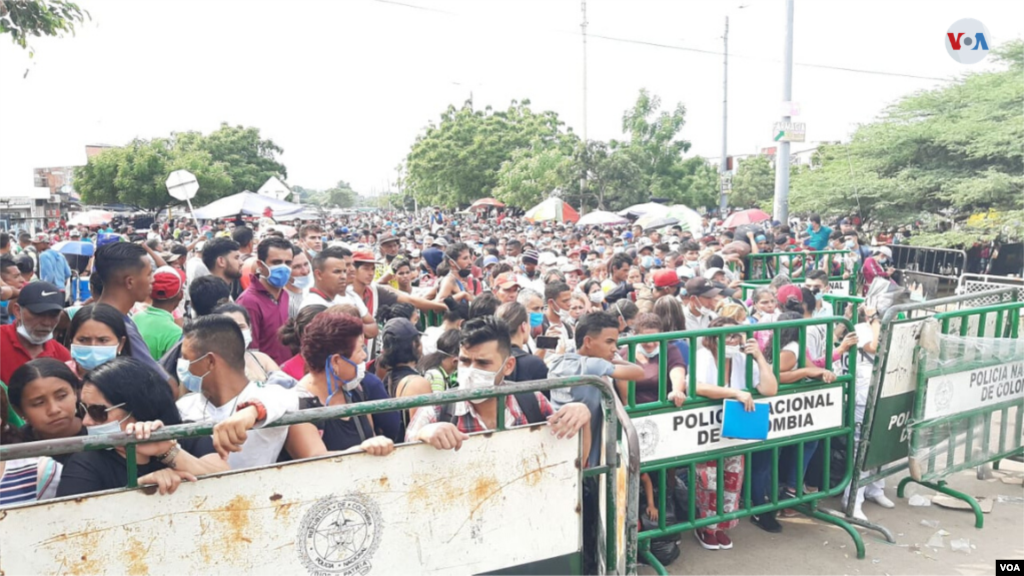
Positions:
(527, 403)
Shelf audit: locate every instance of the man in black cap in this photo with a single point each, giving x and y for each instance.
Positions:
(30, 336)
(700, 303)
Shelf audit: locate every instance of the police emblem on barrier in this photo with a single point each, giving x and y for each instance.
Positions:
(944, 396)
(647, 434)
(340, 535)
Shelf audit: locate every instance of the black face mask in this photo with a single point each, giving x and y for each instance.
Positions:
(464, 273)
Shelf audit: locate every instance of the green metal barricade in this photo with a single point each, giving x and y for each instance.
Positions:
(842, 274)
(890, 404)
(964, 385)
(429, 319)
(618, 472)
(686, 437)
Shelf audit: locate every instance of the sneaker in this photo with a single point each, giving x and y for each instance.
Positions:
(724, 542)
(881, 500)
(767, 522)
(707, 539)
(859, 514)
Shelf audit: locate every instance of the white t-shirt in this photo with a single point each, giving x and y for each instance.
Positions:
(263, 445)
(865, 361)
(310, 298)
(707, 370)
(195, 268)
(697, 323)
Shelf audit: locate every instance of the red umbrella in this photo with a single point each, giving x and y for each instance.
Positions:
(742, 217)
(487, 203)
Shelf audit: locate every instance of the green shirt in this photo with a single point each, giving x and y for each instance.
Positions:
(11, 417)
(158, 330)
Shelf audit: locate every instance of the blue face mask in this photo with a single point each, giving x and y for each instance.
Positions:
(89, 357)
(108, 428)
(279, 275)
(346, 385)
(190, 381)
(303, 282)
(536, 319)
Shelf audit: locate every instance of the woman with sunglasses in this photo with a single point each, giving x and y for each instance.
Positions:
(97, 335)
(334, 350)
(44, 392)
(127, 395)
(24, 479)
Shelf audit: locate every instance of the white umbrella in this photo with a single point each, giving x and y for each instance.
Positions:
(641, 209)
(248, 203)
(91, 218)
(600, 217)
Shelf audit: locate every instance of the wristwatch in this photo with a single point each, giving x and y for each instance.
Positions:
(261, 410)
(167, 458)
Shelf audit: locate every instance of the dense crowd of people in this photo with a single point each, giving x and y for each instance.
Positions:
(238, 323)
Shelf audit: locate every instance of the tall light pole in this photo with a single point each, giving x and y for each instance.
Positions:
(583, 27)
(781, 212)
(723, 166)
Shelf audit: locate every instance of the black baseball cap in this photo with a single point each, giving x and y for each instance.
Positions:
(41, 297)
(401, 328)
(701, 287)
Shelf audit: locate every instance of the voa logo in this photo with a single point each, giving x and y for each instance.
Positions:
(967, 41)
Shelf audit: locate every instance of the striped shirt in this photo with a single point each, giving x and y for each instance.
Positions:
(18, 484)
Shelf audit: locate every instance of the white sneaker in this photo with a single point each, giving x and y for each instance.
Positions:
(881, 500)
(859, 514)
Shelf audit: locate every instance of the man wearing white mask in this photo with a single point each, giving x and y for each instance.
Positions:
(485, 358)
(699, 303)
(30, 335)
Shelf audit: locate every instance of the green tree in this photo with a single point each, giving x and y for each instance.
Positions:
(611, 179)
(226, 162)
(457, 161)
(654, 147)
(24, 18)
(530, 175)
(953, 150)
(754, 183)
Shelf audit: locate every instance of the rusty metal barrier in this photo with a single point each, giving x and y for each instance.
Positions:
(618, 472)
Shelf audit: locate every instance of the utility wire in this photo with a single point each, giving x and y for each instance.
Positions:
(694, 50)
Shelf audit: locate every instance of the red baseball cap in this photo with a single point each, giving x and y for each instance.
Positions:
(789, 291)
(167, 283)
(506, 280)
(364, 256)
(665, 278)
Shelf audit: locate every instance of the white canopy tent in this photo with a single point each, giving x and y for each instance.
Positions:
(247, 203)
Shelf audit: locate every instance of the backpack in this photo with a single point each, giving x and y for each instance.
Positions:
(527, 403)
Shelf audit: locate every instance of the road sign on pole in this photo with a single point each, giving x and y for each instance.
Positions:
(789, 131)
(182, 185)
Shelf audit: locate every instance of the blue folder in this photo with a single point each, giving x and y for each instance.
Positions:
(743, 425)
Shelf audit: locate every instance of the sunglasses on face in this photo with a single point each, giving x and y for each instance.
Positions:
(98, 412)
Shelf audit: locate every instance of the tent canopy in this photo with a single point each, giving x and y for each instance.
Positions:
(552, 210)
(247, 203)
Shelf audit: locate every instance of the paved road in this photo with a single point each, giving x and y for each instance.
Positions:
(807, 546)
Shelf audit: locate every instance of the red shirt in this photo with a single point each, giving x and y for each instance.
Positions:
(13, 354)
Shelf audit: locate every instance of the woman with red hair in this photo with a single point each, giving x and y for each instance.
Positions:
(335, 354)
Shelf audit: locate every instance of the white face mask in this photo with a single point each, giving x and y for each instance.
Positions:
(474, 378)
(303, 282)
(733, 350)
(597, 297)
(37, 340)
(651, 354)
(247, 337)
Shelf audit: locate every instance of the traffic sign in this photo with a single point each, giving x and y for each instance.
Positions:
(182, 185)
(789, 131)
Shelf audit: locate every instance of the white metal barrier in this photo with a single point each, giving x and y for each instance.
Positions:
(505, 499)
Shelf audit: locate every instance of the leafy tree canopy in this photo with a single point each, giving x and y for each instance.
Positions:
(954, 150)
(229, 160)
(24, 18)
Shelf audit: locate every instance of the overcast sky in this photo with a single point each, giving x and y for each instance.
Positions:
(344, 87)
